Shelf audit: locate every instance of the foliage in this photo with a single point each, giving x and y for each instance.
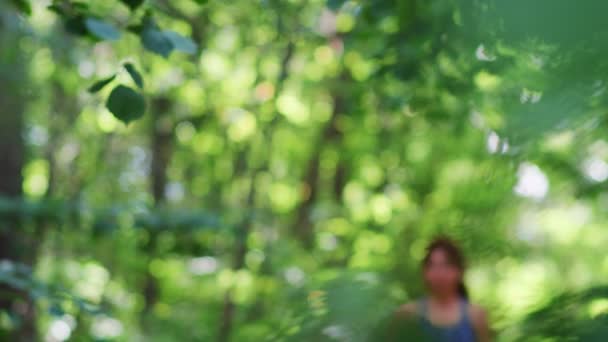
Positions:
(20, 277)
(577, 316)
(272, 170)
(126, 104)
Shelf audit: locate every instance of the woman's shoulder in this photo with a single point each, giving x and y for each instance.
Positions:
(479, 320)
(477, 313)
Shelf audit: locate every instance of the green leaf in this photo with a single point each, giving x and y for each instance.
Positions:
(132, 4)
(24, 6)
(136, 29)
(180, 42)
(126, 104)
(334, 5)
(101, 29)
(56, 8)
(75, 25)
(80, 7)
(56, 310)
(135, 75)
(155, 40)
(201, 2)
(87, 306)
(97, 86)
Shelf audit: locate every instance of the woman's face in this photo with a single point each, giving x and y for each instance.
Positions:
(440, 275)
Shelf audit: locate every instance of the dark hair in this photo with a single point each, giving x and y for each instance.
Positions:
(454, 256)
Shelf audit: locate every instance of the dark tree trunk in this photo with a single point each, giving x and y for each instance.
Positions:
(161, 149)
(303, 227)
(239, 261)
(14, 243)
(240, 249)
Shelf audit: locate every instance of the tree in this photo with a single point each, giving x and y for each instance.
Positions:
(271, 170)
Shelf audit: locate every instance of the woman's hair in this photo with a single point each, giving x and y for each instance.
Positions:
(454, 256)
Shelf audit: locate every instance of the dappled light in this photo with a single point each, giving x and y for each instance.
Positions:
(205, 170)
(531, 182)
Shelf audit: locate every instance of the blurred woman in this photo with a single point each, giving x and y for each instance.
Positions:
(445, 314)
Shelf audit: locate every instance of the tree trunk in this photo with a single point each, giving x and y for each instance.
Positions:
(303, 227)
(14, 243)
(240, 250)
(161, 148)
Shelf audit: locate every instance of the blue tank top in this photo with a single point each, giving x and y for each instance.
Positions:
(462, 331)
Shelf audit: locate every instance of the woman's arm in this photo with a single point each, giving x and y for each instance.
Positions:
(408, 310)
(394, 325)
(480, 323)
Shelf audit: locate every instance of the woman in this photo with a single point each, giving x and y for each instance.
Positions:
(445, 314)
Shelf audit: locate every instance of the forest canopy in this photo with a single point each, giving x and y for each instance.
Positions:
(272, 170)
